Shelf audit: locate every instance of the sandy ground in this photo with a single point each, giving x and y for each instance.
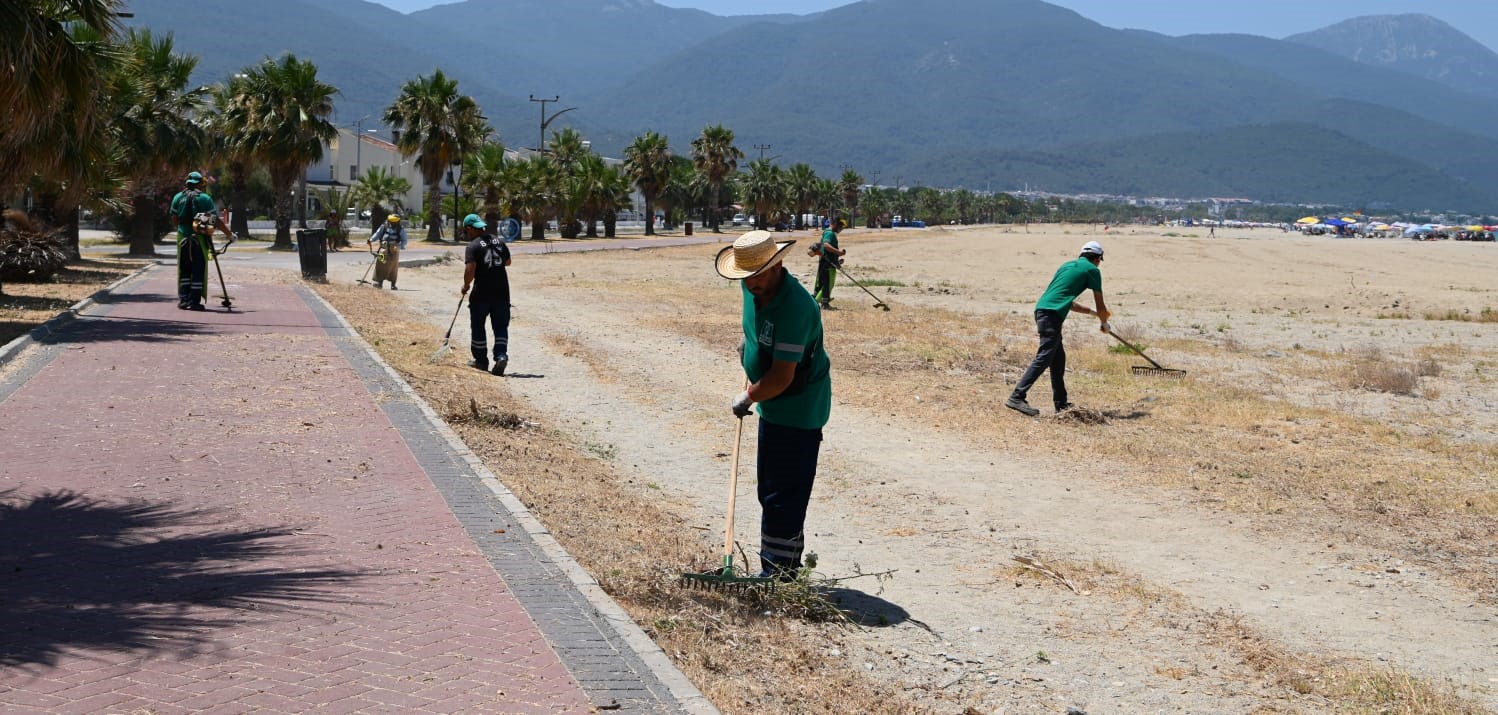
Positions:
(947, 512)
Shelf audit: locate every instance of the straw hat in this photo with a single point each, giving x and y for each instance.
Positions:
(752, 253)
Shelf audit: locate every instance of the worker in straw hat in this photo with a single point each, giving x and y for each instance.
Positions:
(391, 239)
(787, 370)
(1070, 280)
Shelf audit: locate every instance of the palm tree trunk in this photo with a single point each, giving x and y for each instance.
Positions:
(72, 232)
(239, 219)
(717, 225)
(649, 216)
(281, 185)
(143, 225)
(434, 209)
(610, 225)
(301, 207)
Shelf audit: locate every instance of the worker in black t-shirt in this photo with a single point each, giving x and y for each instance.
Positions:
(484, 271)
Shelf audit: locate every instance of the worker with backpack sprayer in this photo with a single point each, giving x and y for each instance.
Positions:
(196, 216)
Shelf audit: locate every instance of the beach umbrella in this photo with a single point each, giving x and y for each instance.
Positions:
(1475, 228)
(1309, 220)
(1337, 222)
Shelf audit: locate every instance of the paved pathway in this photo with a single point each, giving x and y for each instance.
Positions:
(246, 512)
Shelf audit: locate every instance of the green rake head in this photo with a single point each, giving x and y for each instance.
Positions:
(726, 578)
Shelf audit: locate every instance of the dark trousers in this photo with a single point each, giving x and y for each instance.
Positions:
(192, 270)
(1051, 356)
(787, 467)
(498, 316)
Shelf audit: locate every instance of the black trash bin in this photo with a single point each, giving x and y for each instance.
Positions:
(312, 250)
(688, 227)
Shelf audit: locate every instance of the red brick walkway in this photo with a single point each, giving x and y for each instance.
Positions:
(209, 512)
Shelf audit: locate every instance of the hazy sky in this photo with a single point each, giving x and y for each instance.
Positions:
(1270, 18)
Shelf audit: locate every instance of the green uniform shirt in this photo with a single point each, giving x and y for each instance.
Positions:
(1070, 280)
(829, 236)
(789, 327)
(203, 204)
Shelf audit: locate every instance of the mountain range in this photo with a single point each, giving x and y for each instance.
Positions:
(982, 93)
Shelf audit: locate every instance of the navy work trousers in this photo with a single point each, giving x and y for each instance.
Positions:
(1051, 356)
(498, 316)
(787, 468)
(192, 270)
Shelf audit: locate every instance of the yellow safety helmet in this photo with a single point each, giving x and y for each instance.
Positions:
(394, 218)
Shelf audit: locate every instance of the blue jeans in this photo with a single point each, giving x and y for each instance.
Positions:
(787, 467)
(498, 316)
(1051, 356)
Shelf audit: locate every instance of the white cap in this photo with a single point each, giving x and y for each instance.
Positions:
(1093, 248)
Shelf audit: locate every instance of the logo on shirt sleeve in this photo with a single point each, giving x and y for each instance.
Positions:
(767, 333)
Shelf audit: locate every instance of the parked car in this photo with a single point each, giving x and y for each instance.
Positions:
(740, 219)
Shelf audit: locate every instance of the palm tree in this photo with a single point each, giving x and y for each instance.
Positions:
(876, 205)
(484, 172)
(715, 157)
(765, 190)
(801, 182)
(71, 159)
(648, 161)
(567, 149)
(227, 127)
(154, 127)
(850, 184)
(436, 124)
(288, 126)
(377, 187)
(532, 192)
(682, 193)
(56, 55)
(827, 197)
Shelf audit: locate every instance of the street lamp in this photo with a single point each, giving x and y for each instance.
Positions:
(546, 121)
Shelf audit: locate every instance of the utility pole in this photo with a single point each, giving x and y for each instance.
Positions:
(761, 148)
(545, 120)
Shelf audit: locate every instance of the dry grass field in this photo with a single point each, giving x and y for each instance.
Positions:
(1305, 523)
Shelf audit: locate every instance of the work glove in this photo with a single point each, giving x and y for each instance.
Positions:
(742, 406)
(1106, 328)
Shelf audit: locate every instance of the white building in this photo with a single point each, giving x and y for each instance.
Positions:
(348, 156)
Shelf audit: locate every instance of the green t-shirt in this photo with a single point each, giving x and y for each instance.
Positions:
(789, 327)
(1070, 280)
(203, 204)
(829, 236)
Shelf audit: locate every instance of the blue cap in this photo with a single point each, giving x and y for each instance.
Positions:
(473, 220)
(195, 178)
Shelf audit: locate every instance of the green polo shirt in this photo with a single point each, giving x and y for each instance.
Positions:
(1070, 280)
(829, 236)
(203, 204)
(789, 327)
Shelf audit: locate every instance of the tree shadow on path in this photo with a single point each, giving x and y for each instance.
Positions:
(79, 574)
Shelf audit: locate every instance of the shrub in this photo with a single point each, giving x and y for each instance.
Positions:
(1380, 376)
(29, 252)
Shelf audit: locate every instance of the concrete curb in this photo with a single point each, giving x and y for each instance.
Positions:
(13, 348)
(690, 698)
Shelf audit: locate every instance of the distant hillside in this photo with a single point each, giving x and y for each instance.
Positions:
(1419, 45)
(886, 85)
(573, 45)
(958, 76)
(1323, 74)
(1282, 163)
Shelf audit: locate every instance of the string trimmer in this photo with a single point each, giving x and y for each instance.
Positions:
(379, 257)
(877, 303)
(226, 302)
(728, 577)
(1154, 368)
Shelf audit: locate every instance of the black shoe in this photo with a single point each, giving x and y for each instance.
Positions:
(1063, 407)
(479, 365)
(500, 365)
(181, 306)
(392, 286)
(197, 307)
(1020, 406)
